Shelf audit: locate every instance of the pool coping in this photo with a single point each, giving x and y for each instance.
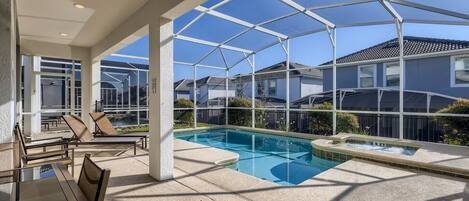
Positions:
(409, 162)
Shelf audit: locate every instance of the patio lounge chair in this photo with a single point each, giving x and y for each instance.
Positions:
(106, 129)
(41, 143)
(93, 180)
(83, 136)
(37, 159)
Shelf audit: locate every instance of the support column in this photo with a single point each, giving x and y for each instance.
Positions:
(161, 99)
(287, 80)
(253, 91)
(90, 89)
(32, 95)
(401, 79)
(332, 35)
(194, 91)
(7, 70)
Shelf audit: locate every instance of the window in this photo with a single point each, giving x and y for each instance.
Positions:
(272, 87)
(460, 71)
(391, 75)
(367, 76)
(260, 88)
(239, 90)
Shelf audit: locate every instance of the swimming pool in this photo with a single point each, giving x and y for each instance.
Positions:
(283, 160)
(380, 147)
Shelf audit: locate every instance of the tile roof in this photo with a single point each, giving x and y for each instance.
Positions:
(412, 46)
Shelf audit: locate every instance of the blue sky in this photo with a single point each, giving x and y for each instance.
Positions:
(310, 50)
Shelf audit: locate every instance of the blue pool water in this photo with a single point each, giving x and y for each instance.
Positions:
(283, 160)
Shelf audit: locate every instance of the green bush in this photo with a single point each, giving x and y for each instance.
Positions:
(183, 118)
(322, 121)
(242, 117)
(456, 128)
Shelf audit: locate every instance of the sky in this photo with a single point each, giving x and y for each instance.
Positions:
(313, 49)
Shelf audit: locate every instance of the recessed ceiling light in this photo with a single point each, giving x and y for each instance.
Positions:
(78, 5)
(63, 34)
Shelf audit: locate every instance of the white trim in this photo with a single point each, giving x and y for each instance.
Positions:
(385, 76)
(375, 78)
(453, 71)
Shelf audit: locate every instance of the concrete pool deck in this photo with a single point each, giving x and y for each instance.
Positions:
(441, 158)
(197, 177)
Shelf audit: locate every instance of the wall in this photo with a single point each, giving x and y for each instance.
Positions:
(427, 74)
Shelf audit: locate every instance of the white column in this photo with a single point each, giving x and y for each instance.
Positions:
(32, 95)
(194, 91)
(226, 95)
(253, 91)
(7, 71)
(90, 89)
(161, 99)
(401, 79)
(287, 80)
(334, 81)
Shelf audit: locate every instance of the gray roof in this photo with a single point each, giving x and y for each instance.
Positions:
(210, 80)
(183, 85)
(412, 46)
(297, 70)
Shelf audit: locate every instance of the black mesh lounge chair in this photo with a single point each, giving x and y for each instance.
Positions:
(107, 130)
(93, 180)
(83, 136)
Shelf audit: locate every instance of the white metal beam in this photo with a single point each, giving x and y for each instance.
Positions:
(308, 13)
(240, 22)
(431, 9)
(391, 10)
(213, 44)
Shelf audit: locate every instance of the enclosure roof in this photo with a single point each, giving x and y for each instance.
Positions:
(223, 33)
(412, 46)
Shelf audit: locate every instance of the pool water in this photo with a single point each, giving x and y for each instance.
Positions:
(283, 160)
(380, 147)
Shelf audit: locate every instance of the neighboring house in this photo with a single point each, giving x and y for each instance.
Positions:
(211, 91)
(182, 90)
(304, 81)
(431, 65)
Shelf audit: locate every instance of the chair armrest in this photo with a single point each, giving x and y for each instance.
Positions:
(48, 154)
(52, 138)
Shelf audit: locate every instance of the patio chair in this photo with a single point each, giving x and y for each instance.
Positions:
(106, 129)
(48, 157)
(41, 143)
(83, 136)
(93, 180)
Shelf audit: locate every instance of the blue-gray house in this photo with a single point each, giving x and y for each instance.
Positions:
(431, 65)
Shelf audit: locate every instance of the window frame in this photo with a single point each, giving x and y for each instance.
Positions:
(275, 87)
(260, 83)
(359, 77)
(453, 71)
(385, 77)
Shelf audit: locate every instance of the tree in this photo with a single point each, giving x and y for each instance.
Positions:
(456, 128)
(184, 117)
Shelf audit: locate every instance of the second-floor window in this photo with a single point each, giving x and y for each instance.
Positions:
(260, 88)
(391, 75)
(460, 71)
(367, 76)
(239, 89)
(272, 87)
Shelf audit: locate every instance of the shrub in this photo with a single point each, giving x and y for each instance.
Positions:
(456, 128)
(322, 121)
(242, 117)
(183, 116)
